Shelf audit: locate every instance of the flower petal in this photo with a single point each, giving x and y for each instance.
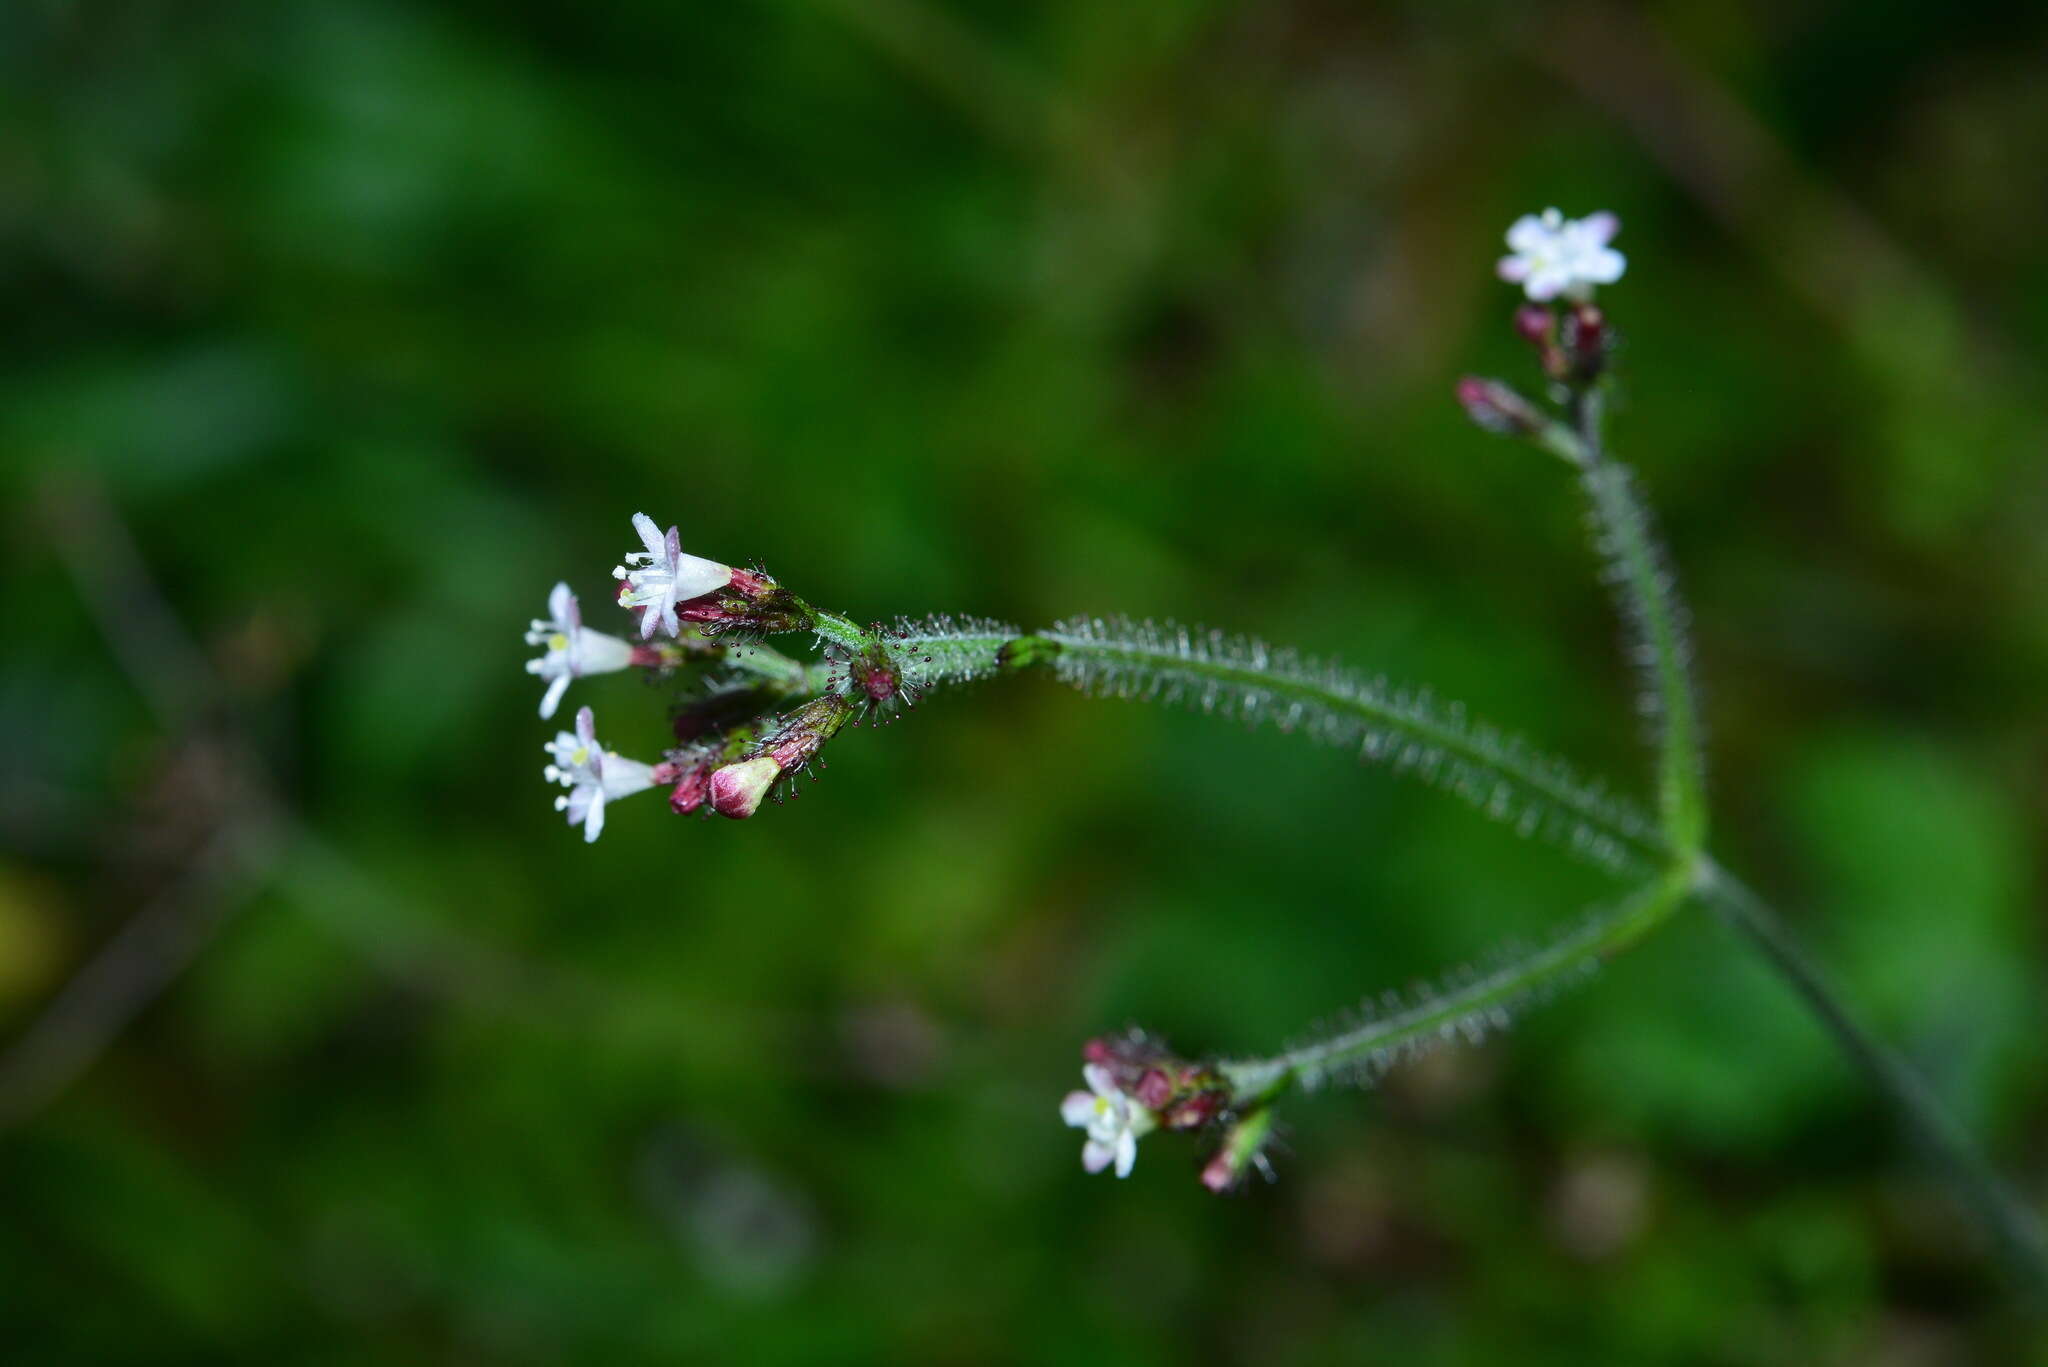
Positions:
(1603, 267)
(562, 608)
(1126, 1153)
(1099, 1081)
(1547, 282)
(1095, 1157)
(696, 576)
(1528, 235)
(624, 777)
(552, 699)
(1600, 228)
(597, 653)
(1078, 1108)
(650, 535)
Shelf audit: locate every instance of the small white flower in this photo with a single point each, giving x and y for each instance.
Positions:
(1114, 1122)
(1553, 255)
(592, 774)
(661, 576)
(573, 649)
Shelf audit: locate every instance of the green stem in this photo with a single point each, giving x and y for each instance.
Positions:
(1649, 599)
(1276, 682)
(1279, 684)
(841, 631)
(2015, 1229)
(790, 678)
(1257, 1081)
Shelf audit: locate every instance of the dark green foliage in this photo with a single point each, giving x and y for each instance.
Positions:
(371, 320)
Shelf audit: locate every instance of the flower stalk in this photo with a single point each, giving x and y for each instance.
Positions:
(1469, 1010)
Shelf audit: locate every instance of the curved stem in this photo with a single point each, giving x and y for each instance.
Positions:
(2015, 1229)
(1648, 594)
(1254, 682)
(1471, 1007)
(1650, 602)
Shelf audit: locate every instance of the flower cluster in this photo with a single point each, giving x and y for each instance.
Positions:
(732, 749)
(1136, 1085)
(1557, 261)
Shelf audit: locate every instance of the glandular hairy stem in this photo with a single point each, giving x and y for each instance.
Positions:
(1246, 679)
(1465, 1010)
(1646, 594)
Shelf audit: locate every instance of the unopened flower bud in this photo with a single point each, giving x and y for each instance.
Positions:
(1537, 325)
(1243, 1150)
(1155, 1088)
(1586, 342)
(1128, 1056)
(747, 600)
(692, 789)
(1497, 408)
(737, 789)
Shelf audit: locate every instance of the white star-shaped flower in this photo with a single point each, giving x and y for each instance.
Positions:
(1114, 1122)
(573, 650)
(1551, 255)
(661, 576)
(592, 774)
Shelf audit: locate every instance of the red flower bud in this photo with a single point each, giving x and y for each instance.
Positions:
(1537, 326)
(1587, 341)
(1183, 1095)
(691, 792)
(1497, 408)
(1535, 323)
(737, 789)
(1154, 1089)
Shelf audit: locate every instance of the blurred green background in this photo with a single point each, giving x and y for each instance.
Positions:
(338, 331)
